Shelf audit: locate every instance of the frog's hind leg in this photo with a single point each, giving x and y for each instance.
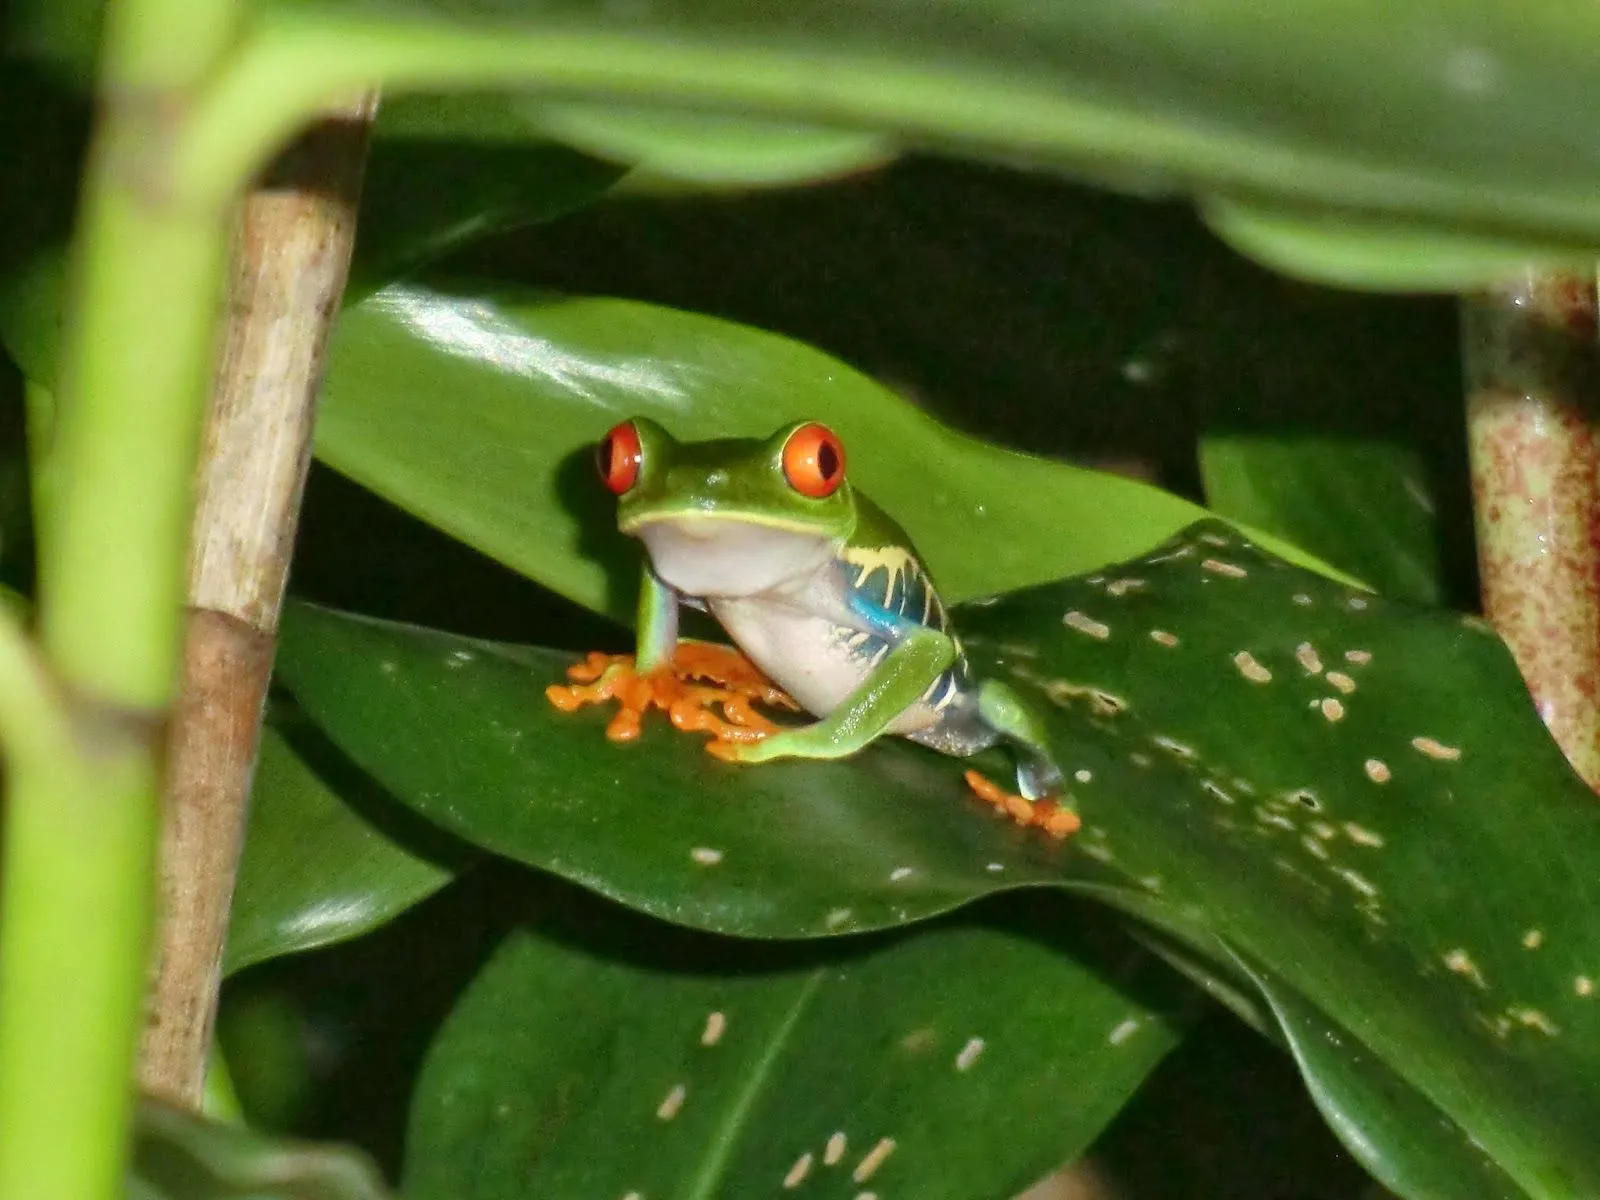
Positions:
(1038, 777)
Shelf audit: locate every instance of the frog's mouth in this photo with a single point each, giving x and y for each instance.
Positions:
(711, 556)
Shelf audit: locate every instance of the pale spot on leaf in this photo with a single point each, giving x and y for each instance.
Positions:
(1361, 835)
(1342, 681)
(674, 1101)
(1532, 1018)
(1332, 709)
(716, 1024)
(874, 1159)
(1086, 624)
(1306, 655)
(1378, 770)
(706, 856)
(969, 1054)
(1162, 638)
(797, 1173)
(1358, 881)
(1250, 668)
(1174, 747)
(1533, 939)
(1359, 657)
(834, 1151)
(1123, 1031)
(1460, 962)
(1583, 986)
(1218, 567)
(1436, 749)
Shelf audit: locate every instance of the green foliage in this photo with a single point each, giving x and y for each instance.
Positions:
(968, 1058)
(1333, 812)
(178, 1156)
(1310, 779)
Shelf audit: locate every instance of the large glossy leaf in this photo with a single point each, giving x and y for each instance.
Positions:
(1367, 506)
(179, 1156)
(327, 856)
(1355, 795)
(712, 150)
(1294, 105)
(601, 1054)
(1419, 1152)
(478, 415)
(444, 170)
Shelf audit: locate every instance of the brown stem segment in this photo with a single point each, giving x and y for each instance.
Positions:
(1533, 413)
(292, 254)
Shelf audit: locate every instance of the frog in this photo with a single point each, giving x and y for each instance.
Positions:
(828, 605)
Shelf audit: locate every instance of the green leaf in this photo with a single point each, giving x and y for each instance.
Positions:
(712, 149)
(1419, 1151)
(478, 415)
(967, 1059)
(1294, 105)
(444, 170)
(1366, 505)
(324, 861)
(460, 730)
(1383, 825)
(179, 1156)
(1376, 250)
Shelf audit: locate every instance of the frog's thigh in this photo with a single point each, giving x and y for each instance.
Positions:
(1009, 715)
(907, 671)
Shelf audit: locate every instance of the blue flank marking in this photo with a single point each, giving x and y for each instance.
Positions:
(886, 623)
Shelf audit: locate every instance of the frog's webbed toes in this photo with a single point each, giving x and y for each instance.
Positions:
(1046, 814)
(735, 674)
(676, 689)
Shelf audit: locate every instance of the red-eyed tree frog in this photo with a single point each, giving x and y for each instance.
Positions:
(820, 590)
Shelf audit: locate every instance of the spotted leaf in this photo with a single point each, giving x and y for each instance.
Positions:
(892, 1065)
(1352, 795)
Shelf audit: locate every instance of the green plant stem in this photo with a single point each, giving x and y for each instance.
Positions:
(81, 815)
(136, 362)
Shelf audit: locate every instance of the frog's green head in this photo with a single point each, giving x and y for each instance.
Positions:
(730, 517)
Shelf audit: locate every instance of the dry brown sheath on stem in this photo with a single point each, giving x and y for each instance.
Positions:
(291, 257)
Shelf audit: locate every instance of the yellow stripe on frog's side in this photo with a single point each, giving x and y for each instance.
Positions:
(903, 579)
(893, 559)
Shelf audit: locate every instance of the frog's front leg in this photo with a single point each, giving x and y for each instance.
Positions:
(685, 679)
(657, 624)
(907, 671)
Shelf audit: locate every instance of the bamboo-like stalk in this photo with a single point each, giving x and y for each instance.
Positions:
(75, 886)
(1531, 353)
(291, 257)
(81, 811)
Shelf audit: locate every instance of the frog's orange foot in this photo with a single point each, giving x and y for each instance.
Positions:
(732, 671)
(1047, 815)
(736, 685)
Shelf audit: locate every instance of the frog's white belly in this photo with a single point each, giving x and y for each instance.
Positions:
(808, 655)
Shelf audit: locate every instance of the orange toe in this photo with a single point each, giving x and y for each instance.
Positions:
(701, 678)
(1047, 815)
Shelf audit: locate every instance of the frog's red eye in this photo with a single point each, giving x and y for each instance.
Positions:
(618, 457)
(813, 461)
